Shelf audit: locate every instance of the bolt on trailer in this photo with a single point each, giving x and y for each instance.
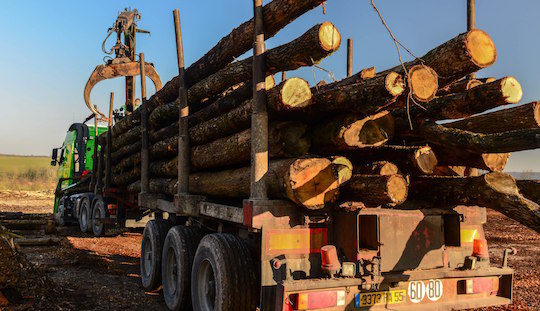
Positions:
(85, 192)
(226, 246)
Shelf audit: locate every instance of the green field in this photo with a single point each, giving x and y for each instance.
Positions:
(26, 173)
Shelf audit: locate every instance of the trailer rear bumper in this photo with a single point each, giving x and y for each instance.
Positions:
(417, 290)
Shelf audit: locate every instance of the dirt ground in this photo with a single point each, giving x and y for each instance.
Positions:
(103, 273)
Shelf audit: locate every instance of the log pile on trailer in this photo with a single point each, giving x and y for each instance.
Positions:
(377, 138)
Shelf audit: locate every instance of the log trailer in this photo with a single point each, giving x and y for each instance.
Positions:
(273, 235)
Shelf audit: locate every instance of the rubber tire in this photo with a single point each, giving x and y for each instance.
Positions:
(59, 216)
(99, 207)
(154, 233)
(235, 274)
(180, 247)
(84, 211)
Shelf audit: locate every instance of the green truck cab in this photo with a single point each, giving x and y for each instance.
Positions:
(75, 160)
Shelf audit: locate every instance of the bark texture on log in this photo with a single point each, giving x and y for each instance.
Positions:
(495, 190)
(366, 97)
(277, 14)
(286, 139)
(376, 190)
(348, 131)
(314, 45)
(377, 168)
(459, 86)
(526, 116)
(125, 151)
(460, 105)
(530, 189)
(459, 156)
(518, 140)
(290, 95)
(413, 160)
(310, 182)
(130, 136)
(455, 171)
(166, 114)
(458, 57)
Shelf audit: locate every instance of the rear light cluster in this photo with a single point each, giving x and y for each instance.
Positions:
(111, 208)
(479, 285)
(315, 300)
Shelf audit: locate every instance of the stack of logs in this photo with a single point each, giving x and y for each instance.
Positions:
(374, 138)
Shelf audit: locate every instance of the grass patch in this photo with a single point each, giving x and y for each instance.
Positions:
(27, 173)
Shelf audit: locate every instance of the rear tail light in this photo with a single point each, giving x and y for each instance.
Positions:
(480, 248)
(111, 208)
(479, 285)
(316, 300)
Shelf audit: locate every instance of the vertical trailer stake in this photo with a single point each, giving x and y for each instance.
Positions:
(259, 116)
(183, 113)
(145, 155)
(471, 23)
(349, 57)
(109, 144)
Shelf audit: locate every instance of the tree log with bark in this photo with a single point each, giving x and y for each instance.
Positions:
(459, 86)
(350, 131)
(314, 45)
(286, 139)
(415, 160)
(526, 116)
(376, 190)
(530, 189)
(460, 105)
(458, 156)
(382, 168)
(458, 57)
(290, 95)
(518, 140)
(310, 182)
(166, 114)
(495, 190)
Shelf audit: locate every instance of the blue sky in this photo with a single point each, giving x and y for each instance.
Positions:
(49, 48)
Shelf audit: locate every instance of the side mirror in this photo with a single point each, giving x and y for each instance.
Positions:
(54, 157)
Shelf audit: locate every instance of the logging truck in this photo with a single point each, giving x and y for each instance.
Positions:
(291, 197)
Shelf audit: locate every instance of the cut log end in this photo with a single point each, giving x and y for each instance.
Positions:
(269, 82)
(495, 161)
(371, 131)
(394, 83)
(397, 188)
(329, 37)
(367, 73)
(295, 93)
(426, 160)
(314, 182)
(502, 183)
(481, 48)
(344, 168)
(511, 90)
(537, 113)
(423, 83)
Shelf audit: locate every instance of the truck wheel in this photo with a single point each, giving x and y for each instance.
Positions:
(84, 215)
(98, 212)
(59, 216)
(224, 275)
(178, 252)
(152, 244)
